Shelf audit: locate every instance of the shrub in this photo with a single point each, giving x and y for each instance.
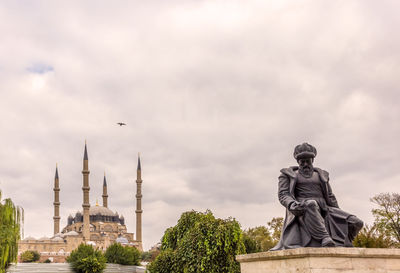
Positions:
(86, 259)
(200, 243)
(30, 256)
(126, 255)
(47, 261)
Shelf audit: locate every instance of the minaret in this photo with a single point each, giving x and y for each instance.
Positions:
(105, 195)
(139, 203)
(56, 203)
(86, 188)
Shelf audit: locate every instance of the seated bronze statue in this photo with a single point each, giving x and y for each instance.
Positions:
(313, 217)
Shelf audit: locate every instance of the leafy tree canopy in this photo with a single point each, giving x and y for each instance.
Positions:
(387, 215)
(10, 216)
(126, 255)
(86, 259)
(263, 238)
(200, 243)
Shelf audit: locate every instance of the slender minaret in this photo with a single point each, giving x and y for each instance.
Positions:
(56, 203)
(86, 188)
(105, 195)
(139, 203)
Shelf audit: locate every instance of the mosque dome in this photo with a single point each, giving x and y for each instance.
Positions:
(99, 210)
(71, 233)
(57, 239)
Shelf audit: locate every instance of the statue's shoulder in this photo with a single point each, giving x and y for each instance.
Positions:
(323, 174)
(291, 171)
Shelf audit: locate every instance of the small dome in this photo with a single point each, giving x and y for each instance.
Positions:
(101, 210)
(122, 240)
(29, 238)
(57, 239)
(121, 217)
(70, 217)
(71, 233)
(58, 235)
(44, 238)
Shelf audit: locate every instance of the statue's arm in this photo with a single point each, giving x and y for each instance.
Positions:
(332, 198)
(285, 198)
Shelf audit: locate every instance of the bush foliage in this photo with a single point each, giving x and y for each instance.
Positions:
(30, 256)
(86, 259)
(373, 237)
(10, 216)
(200, 243)
(263, 238)
(126, 255)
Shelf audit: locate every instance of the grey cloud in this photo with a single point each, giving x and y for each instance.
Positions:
(216, 94)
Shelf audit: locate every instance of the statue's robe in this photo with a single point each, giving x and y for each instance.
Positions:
(294, 231)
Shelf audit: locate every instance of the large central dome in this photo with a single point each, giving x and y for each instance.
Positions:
(98, 214)
(100, 210)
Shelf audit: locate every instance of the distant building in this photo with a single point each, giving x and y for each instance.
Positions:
(97, 225)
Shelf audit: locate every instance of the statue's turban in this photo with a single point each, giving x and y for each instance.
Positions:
(304, 150)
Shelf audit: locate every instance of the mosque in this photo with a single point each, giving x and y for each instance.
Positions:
(95, 225)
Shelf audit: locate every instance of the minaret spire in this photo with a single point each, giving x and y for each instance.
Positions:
(85, 189)
(56, 203)
(105, 195)
(139, 203)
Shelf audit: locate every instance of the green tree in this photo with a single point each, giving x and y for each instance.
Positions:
(387, 215)
(10, 216)
(275, 227)
(373, 237)
(257, 239)
(86, 259)
(263, 238)
(126, 255)
(250, 243)
(200, 243)
(30, 256)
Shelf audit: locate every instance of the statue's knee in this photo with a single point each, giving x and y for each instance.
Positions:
(311, 204)
(356, 223)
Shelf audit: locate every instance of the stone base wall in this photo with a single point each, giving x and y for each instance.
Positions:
(322, 260)
(66, 268)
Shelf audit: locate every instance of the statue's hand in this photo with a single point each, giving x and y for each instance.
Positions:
(296, 208)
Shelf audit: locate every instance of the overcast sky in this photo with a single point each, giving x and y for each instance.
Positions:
(215, 95)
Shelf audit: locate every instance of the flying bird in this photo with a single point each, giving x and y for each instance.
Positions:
(121, 123)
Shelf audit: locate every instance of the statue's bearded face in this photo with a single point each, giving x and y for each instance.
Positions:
(306, 166)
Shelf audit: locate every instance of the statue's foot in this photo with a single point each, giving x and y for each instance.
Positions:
(327, 242)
